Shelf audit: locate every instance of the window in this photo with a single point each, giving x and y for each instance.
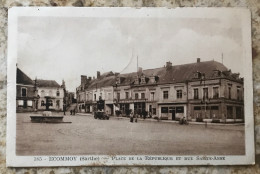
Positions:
(238, 94)
(29, 103)
(196, 93)
(197, 108)
(179, 93)
(58, 93)
(50, 93)
(42, 103)
(118, 96)
(152, 96)
(87, 97)
(215, 92)
(58, 103)
(180, 109)
(95, 97)
(126, 95)
(164, 110)
(165, 94)
(229, 92)
(24, 92)
(136, 96)
(101, 95)
(205, 93)
(142, 96)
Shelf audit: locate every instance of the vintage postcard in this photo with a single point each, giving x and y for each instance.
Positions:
(128, 86)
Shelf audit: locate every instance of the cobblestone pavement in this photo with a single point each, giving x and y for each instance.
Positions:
(86, 135)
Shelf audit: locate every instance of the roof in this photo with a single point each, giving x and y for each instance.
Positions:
(171, 74)
(47, 83)
(22, 78)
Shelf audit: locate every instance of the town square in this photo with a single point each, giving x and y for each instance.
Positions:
(88, 136)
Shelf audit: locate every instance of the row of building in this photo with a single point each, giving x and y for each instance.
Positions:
(198, 91)
(35, 95)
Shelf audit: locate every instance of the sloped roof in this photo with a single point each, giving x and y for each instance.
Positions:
(47, 83)
(173, 74)
(102, 82)
(22, 78)
(181, 73)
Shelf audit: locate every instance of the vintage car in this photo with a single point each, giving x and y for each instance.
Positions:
(101, 115)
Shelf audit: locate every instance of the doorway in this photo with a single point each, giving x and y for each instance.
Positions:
(173, 114)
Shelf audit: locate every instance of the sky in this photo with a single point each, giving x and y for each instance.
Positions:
(57, 48)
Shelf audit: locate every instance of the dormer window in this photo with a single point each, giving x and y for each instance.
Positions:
(144, 80)
(216, 73)
(197, 75)
(136, 81)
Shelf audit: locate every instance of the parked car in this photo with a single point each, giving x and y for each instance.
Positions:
(101, 115)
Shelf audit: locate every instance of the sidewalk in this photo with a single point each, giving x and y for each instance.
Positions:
(168, 121)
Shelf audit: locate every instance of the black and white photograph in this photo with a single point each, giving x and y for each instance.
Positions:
(128, 86)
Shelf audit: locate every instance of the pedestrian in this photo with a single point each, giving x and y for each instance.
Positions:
(131, 117)
(74, 112)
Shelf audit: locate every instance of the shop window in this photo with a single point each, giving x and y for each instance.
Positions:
(215, 92)
(239, 113)
(229, 112)
(165, 95)
(179, 94)
(24, 92)
(196, 93)
(197, 108)
(180, 109)
(164, 110)
(214, 107)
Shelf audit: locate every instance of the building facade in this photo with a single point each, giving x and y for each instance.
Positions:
(51, 95)
(26, 95)
(200, 91)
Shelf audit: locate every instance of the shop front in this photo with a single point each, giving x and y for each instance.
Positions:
(172, 112)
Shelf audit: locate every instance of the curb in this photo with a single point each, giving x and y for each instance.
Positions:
(170, 121)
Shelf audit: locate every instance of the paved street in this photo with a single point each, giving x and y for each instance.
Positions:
(85, 135)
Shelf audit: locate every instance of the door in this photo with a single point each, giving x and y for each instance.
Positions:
(173, 114)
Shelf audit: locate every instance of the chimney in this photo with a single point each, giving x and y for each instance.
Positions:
(98, 74)
(83, 80)
(140, 71)
(168, 65)
(198, 60)
(89, 79)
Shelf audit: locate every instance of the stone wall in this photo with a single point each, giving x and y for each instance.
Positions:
(253, 5)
